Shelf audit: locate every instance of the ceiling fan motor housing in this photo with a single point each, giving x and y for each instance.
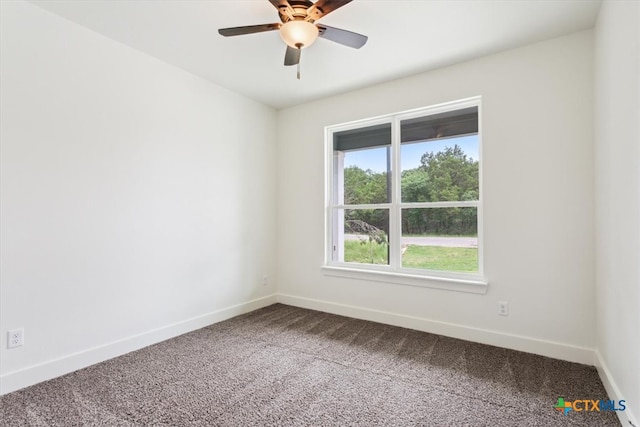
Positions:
(299, 10)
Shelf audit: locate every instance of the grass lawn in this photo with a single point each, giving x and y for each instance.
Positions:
(441, 258)
(428, 257)
(366, 253)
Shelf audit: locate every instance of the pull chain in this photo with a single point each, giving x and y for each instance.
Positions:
(299, 46)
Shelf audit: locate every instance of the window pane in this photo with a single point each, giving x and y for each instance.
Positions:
(440, 170)
(364, 238)
(366, 176)
(444, 239)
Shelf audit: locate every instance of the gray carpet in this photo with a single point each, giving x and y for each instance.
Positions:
(288, 366)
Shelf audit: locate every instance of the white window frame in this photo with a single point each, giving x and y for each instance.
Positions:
(394, 272)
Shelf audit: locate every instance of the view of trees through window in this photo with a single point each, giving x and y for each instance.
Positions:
(440, 236)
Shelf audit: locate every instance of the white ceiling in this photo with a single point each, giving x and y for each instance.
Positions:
(405, 37)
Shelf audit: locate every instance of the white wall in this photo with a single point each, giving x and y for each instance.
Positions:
(538, 194)
(137, 200)
(617, 183)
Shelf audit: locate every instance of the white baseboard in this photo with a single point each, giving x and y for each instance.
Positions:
(515, 342)
(16, 380)
(626, 417)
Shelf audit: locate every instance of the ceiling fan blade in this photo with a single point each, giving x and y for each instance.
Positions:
(292, 56)
(325, 7)
(344, 37)
(238, 31)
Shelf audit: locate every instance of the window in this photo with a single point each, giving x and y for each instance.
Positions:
(404, 196)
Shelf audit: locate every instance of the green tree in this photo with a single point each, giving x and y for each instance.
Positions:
(451, 175)
(415, 185)
(447, 175)
(364, 186)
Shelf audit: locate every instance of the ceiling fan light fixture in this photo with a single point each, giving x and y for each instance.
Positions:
(299, 34)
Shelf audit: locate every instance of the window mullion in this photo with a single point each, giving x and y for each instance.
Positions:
(395, 222)
(337, 238)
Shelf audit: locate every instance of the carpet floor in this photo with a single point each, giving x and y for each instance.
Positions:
(287, 366)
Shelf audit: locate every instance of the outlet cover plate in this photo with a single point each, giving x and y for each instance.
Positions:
(15, 338)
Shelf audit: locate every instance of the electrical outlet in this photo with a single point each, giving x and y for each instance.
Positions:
(265, 280)
(503, 308)
(15, 338)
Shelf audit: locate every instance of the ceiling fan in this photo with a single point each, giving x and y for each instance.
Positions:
(299, 29)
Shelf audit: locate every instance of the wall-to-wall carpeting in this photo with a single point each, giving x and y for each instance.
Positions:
(284, 365)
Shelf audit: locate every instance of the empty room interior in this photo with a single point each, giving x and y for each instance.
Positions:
(429, 214)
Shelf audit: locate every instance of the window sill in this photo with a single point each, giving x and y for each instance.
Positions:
(475, 286)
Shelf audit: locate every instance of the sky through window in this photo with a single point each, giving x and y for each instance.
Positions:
(411, 153)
